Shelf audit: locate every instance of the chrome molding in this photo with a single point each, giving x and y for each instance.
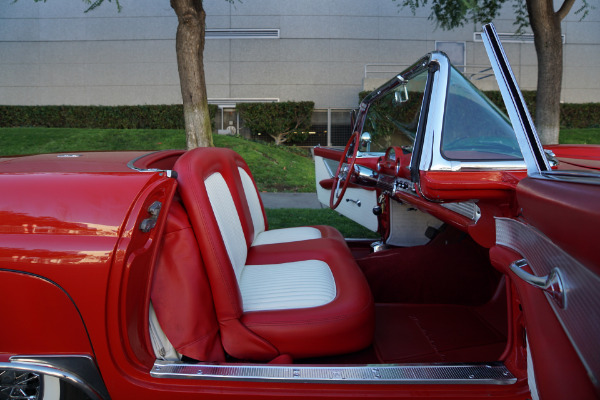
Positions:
(430, 157)
(460, 374)
(331, 166)
(168, 172)
(589, 178)
(43, 365)
(529, 143)
(581, 313)
(465, 208)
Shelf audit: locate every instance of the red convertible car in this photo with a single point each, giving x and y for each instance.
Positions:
(154, 275)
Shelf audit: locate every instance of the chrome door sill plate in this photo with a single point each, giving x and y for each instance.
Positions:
(460, 374)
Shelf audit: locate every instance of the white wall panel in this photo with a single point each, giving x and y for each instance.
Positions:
(54, 53)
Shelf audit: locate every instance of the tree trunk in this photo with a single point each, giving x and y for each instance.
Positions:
(190, 49)
(545, 23)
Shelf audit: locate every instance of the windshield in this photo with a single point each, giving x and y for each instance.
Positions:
(474, 128)
(392, 120)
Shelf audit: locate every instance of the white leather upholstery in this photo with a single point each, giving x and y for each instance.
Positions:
(228, 220)
(300, 284)
(282, 286)
(286, 235)
(273, 236)
(251, 196)
(163, 349)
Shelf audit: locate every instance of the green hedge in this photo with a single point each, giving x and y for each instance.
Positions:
(288, 121)
(100, 117)
(572, 115)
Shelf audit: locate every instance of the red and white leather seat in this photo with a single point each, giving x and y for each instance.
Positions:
(258, 219)
(297, 292)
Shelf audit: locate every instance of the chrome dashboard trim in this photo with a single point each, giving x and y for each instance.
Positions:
(465, 208)
(580, 317)
(457, 374)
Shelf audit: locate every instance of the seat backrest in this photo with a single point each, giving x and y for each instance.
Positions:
(212, 192)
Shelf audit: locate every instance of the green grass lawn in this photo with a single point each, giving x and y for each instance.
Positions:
(580, 136)
(274, 168)
(289, 217)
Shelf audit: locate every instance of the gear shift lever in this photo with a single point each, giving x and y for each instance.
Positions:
(380, 244)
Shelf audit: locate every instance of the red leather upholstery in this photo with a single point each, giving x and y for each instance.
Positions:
(343, 325)
(180, 279)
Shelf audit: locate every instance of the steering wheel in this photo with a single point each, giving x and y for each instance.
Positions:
(344, 171)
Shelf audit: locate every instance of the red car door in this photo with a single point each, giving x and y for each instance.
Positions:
(551, 256)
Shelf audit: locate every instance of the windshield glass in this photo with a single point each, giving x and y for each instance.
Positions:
(474, 128)
(393, 119)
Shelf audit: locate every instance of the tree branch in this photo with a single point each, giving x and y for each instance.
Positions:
(565, 9)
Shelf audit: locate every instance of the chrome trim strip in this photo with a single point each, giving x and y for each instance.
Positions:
(430, 157)
(168, 172)
(459, 374)
(580, 317)
(33, 365)
(589, 178)
(331, 166)
(520, 118)
(465, 208)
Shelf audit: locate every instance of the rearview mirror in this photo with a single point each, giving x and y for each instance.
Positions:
(401, 95)
(365, 142)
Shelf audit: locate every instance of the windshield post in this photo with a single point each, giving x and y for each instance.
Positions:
(531, 148)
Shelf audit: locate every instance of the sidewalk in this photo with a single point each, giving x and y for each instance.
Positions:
(290, 200)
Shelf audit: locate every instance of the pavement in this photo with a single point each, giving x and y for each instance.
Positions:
(290, 200)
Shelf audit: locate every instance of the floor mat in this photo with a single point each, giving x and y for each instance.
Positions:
(408, 333)
(452, 269)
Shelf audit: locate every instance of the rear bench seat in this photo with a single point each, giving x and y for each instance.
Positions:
(294, 291)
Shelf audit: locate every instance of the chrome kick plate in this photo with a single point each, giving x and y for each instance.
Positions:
(460, 374)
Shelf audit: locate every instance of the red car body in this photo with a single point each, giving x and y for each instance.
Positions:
(82, 237)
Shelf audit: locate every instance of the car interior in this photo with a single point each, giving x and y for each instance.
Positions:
(228, 289)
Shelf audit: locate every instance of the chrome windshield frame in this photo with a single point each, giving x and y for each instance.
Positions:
(520, 118)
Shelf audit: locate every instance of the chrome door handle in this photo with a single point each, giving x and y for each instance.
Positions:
(357, 202)
(551, 283)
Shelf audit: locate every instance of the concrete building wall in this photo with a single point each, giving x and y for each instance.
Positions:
(54, 53)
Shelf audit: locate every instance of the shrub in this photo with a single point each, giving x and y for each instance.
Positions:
(100, 117)
(284, 122)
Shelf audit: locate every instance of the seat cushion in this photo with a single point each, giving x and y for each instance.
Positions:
(300, 284)
(286, 235)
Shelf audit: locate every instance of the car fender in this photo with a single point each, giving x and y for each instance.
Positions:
(43, 319)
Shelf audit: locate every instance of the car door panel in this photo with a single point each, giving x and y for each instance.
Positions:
(562, 333)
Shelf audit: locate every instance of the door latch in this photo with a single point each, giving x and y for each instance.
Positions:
(551, 283)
